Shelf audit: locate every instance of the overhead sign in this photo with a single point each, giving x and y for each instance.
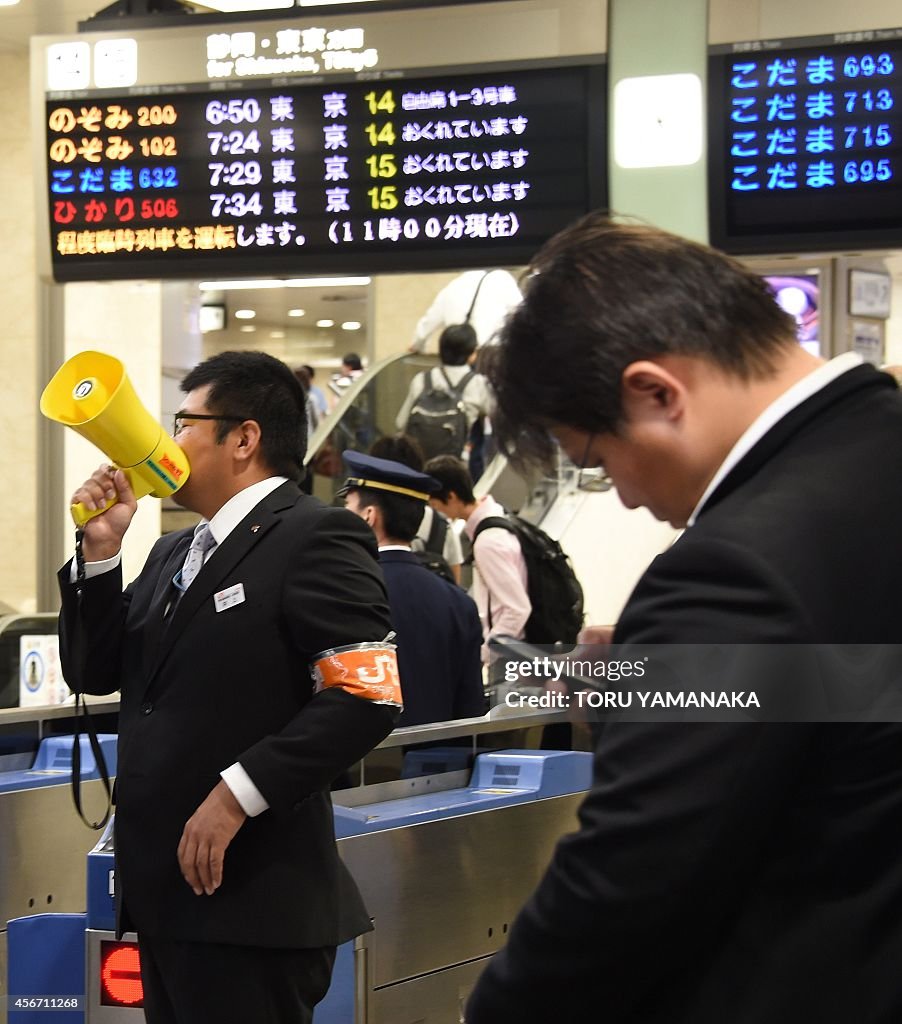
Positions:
(805, 143)
(294, 148)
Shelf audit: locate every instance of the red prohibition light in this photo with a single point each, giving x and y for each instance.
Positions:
(120, 975)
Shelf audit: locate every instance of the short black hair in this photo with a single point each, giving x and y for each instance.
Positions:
(257, 386)
(604, 293)
(452, 473)
(399, 448)
(352, 360)
(456, 344)
(401, 516)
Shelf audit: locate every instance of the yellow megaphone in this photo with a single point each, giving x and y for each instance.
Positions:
(92, 394)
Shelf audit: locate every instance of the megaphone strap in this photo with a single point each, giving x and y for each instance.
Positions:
(83, 715)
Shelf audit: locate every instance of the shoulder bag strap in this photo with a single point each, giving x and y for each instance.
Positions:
(475, 297)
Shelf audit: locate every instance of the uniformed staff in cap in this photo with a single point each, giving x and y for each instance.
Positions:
(437, 624)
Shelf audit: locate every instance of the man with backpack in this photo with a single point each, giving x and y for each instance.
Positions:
(437, 625)
(500, 580)
(443, 403)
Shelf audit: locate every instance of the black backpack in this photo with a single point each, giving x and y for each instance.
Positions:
(438, 420)
(431, 554)
(554, 591)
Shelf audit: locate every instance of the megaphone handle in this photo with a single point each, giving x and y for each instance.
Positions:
(81, 514)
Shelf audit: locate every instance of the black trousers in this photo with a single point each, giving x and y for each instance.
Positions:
(202, 983)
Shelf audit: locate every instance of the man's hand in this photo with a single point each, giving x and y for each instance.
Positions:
(108, 489)
(596, 635)
(206, 835)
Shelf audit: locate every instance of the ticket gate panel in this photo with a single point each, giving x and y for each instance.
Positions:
(99, 1006)
(46, 969)
(53, 763)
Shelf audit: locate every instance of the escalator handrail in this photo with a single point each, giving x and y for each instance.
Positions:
(331, 420)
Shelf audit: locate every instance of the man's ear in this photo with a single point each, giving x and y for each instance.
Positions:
(247, 440)
(651, 391)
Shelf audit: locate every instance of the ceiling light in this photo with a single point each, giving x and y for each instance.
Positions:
(351, 325)
(248, 329)
(325, 323)
(244, 314)
(294, 282)
(327, 282)
(277, 334)
(8, 3)
(223, 286)
(658, 121)
(296, 312)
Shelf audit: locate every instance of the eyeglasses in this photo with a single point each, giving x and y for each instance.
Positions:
(178, 421)
(592, 478)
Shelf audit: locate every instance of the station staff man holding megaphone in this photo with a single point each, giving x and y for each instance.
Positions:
(225, 856)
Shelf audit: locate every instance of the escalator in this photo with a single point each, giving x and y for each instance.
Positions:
(609, 545)
(365, 410)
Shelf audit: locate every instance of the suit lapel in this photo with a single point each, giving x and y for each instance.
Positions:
(236, 547)
(163, 593)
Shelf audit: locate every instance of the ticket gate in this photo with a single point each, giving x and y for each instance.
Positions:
(53, 764)
(442, 871)
(42, 887)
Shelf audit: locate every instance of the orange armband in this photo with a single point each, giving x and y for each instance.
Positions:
(367, 670)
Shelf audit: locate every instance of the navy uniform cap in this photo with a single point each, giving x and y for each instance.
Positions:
(386, 475)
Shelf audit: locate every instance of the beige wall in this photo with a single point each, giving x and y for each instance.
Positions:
(18, 344)
(398, 302)
(731, 21)
(122, 319)
(658, 37)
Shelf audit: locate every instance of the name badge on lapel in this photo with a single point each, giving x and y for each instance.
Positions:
(226, 599)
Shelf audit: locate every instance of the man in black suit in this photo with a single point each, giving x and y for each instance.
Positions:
(439, 635)
(741, 872)
(225, 854)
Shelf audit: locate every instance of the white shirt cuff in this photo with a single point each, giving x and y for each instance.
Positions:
(244, 791)
(94, 568)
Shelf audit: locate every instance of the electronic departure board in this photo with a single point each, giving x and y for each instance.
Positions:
(805, 143)
(393, 173)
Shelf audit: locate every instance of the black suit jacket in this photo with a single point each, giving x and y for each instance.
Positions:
(205, 689)
(742, 873)
(439, 641)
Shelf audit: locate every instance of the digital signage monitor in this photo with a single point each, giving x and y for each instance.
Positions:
(805, 143)
(454, 168)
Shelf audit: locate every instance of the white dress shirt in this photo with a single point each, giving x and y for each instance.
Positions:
(500, 586)
(498, 295)
(791, 398)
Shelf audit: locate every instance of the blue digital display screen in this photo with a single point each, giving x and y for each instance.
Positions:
(805, 143)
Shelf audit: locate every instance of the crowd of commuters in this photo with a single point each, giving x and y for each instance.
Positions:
(720, 870)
